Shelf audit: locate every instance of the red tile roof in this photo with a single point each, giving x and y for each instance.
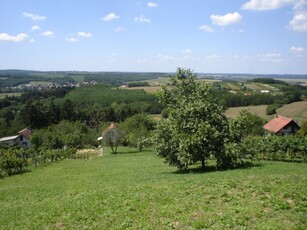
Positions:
(277, 123)
(26, 133)
(112, 126)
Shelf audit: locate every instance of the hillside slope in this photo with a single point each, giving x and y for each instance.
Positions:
(296, 110)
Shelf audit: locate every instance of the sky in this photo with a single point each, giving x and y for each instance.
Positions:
(206, 36)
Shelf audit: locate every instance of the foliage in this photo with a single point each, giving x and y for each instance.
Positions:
(303, 129)
(196, 127)
(286, 148)
(271, 109)
(137, 191)
(230, 99)
(270, 81)
(113, 137)
(17, 160)
(71, 134)
(137, 129)
(138, 84)
(246, 124)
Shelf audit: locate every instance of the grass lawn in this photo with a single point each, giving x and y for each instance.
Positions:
(137, 191)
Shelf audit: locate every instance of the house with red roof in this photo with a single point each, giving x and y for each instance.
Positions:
(281, 125)
(22, 139)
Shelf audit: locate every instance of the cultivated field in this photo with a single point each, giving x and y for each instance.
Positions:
(137, 191)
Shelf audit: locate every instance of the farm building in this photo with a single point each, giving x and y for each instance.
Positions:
(22, 139)
(281, 125)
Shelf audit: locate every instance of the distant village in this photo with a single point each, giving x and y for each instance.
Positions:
(52, 85)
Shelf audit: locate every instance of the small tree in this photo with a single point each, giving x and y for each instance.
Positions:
(196, 127)
(246, 124)
(138, 129)
(112, 137)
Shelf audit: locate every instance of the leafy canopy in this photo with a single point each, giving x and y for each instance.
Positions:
(196, 127)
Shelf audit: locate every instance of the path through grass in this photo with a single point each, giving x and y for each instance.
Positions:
(137, 191)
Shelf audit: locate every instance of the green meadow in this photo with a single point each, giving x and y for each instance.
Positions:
(136, 190)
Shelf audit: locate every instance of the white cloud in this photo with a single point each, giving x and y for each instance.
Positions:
(206, 28)
(299, 22)
(271, 57)
(266, 4)
(120, 29)
(71, 39)
(36, 27)
(84, 34)
(187, 58)
(109, 17)
(141, 18)
(225, 20)
(299, 5)
(165, 57)
(9, 38)
(296, 50)
(31, 40)
(212, 57)
(48, 33)
(152, 4)
(186, 51)
(34, 17)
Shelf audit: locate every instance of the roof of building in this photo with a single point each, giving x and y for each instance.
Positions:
(112, 126)
(277, 123)
(11, 138)
(26, 133)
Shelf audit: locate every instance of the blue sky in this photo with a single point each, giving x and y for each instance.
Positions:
(209, 36)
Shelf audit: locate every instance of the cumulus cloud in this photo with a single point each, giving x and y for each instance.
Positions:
(225, 20)
(34, 17)
(206, 28)
(109, 17)
(296, 50)
(266, 4)
(10, 38)
(152, 4)
(141, 18)
(48, 33)
(71, 39)
(299, 22)
(84, 34)
(36, 27)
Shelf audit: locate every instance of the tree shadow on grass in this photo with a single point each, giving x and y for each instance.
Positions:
(132, 151)
(213, 168)
(2, 176)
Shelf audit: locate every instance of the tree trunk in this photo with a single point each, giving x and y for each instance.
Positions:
(203, 165)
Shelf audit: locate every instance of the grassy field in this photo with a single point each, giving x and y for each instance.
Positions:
(137, 191)
(296, 110)
(3, 95)
(255, 109)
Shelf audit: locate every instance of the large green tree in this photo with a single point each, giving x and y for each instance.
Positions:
(196, 128)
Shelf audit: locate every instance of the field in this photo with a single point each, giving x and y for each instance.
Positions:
(296, 110)
(3, 95)
(255, 109)
(135, 190)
